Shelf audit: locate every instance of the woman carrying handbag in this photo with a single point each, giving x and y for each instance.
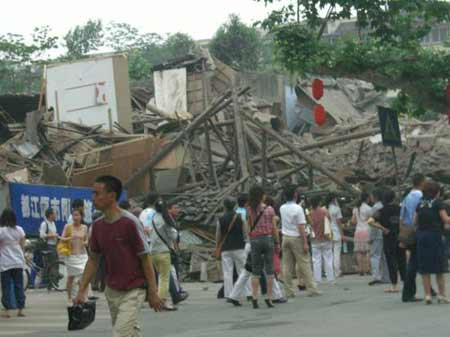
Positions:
(264, 240)
(322, 244)
(73, 245)
(162, 236)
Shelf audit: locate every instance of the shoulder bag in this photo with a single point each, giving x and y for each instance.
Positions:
(327, 229)
(258, 217)
(218, 251)
(41, 244)
(173, 253)
(64, 248)
(407, 236)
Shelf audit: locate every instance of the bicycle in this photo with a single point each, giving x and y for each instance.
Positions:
(56, 272)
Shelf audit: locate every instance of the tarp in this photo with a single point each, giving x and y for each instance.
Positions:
(30, 202)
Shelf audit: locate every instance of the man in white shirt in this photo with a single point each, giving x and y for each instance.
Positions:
(146, 216)
(295, 244)
(47, 230)
(49, 233)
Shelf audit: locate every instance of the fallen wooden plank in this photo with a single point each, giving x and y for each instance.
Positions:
(302, 155)
(325, 142)
(240, 138)
(215, 107)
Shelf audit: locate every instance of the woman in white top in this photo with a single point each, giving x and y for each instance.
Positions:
(12, 262)
(361, 215)
(77, 234)
(336, 227)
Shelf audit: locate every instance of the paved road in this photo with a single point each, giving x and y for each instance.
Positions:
(349, 309)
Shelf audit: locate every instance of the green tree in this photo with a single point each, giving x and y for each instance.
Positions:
(83, 39)
(177, 45)
(237, 44)
(21, 61)
(121, 36)
(145, 49)
(385, 51)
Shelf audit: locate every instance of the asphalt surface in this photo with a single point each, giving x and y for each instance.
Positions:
(351, 308)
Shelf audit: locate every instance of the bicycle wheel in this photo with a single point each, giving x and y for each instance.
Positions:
(57, 276)
(26, 279)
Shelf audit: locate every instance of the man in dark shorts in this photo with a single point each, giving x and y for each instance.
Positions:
(119, 237)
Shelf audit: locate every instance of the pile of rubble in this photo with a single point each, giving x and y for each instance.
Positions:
(221, 142)
(226, 157)
(42, 153)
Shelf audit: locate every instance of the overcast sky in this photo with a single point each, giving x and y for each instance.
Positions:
(199, 18)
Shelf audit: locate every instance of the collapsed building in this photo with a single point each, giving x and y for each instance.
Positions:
(204, 132)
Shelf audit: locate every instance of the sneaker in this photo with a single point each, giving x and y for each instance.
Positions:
(375, 282)
(182, 297)
(314, 293)
(301, 288)
(168, 307)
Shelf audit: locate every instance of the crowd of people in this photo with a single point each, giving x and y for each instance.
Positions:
(392, 239)
(262, 245)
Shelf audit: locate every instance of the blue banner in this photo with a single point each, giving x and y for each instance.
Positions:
(30, 202)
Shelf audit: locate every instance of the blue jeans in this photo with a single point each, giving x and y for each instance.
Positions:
(16, 277)
(174, 293)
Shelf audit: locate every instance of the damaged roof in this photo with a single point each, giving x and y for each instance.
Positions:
(190, 61)
(345, 100)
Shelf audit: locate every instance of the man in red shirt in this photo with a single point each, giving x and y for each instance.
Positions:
(119, 237)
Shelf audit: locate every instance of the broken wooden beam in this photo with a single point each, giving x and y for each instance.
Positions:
(214, 152)
(240, 137)
(264, 156)
(221, 195)
(227, 122)
(214, 108)
(220, 137)
(212, 171)
(325, 142)
(315, 165)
